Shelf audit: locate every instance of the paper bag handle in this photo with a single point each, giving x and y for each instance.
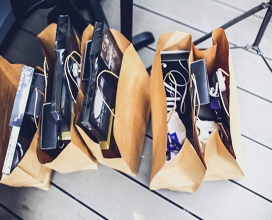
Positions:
(220, 94)
(175, 98)
(45, 67)
(70, 56)
(98, 89)
(195, 96)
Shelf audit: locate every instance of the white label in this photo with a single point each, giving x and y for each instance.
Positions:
(11, 149)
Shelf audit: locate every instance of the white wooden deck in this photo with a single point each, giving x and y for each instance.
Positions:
(109, 194)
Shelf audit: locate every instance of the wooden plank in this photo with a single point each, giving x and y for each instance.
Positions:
(112, 12)
(31, 203)
(117, 197)
(257, 162)
(248, 78)
(216, 197)
(255, 118)
(6, 19)
(106, 190)
(143, 21)
(257, 166)
(21, 47)
(31, 25)
(252, 73)
(223, 200)
(208, 15)
(210, 193)
(248, 69)
(6, 215)
(242, 6)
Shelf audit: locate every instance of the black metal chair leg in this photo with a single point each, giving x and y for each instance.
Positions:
(261, 31)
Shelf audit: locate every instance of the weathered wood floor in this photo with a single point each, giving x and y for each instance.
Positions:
(106, 193)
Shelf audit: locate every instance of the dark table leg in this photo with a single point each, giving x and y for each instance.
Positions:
(126, 18)
(139, 41)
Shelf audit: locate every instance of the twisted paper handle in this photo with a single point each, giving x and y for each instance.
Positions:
(195, 96)
(105, 71)
(218, 85)
(175, 97)
(45, 67)
(66, 67)
(37, 90)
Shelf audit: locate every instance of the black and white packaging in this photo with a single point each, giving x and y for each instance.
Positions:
(16, 149)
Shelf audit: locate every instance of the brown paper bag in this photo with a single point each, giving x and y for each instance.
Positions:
(186, 170)
(132, 109)
(29, 172)
(221, 164)
(75, 156)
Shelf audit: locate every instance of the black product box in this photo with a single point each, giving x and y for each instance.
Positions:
(109, 147)
(105, 92)
(36, 96)
(21, 98)
(176, 62)
(86, 61)
(110, 53)
(94, 54)
(202, 99)
(49, 129)
(22, 126)
(101, 89)
(105, 55)
(61, 102)
(51, 140)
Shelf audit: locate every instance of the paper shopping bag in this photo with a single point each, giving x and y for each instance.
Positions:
(28, 172)
(223, 162)
(132, 109)
(75, 156)
(186, 170)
